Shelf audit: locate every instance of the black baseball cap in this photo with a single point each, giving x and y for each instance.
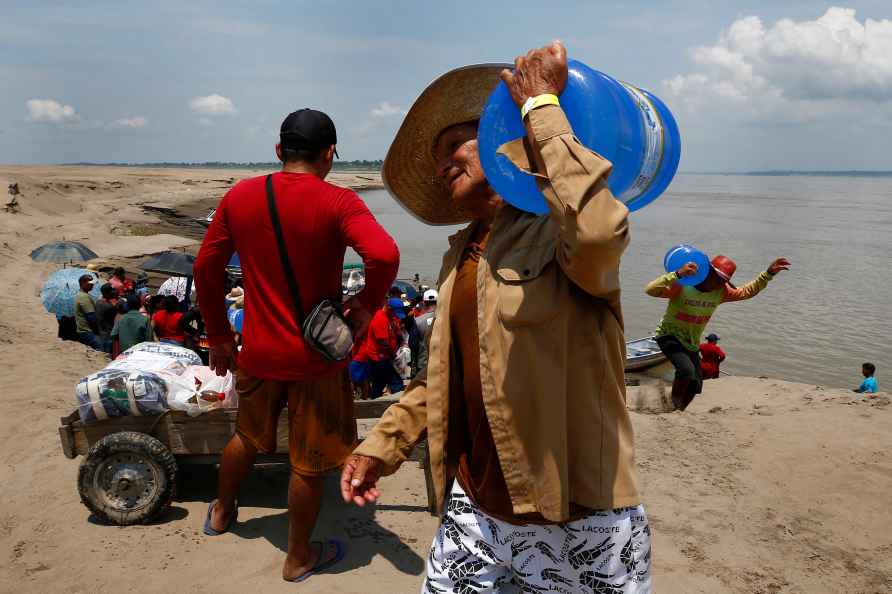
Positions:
(308, 129)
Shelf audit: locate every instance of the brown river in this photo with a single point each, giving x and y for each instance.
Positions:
(815, 324)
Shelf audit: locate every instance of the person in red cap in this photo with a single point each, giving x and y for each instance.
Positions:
(688, 312)
(711, 357)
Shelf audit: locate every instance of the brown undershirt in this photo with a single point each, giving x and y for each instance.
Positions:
(470, 444)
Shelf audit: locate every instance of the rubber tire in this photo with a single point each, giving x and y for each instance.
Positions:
(128, 442)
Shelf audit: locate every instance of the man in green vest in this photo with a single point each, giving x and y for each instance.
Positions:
(688, 312)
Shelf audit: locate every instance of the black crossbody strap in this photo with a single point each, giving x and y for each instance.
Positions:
(283, 252)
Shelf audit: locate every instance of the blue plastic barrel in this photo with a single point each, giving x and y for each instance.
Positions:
(680, 255)
(628, 126)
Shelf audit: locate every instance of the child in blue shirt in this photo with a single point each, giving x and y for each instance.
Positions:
(869, 385)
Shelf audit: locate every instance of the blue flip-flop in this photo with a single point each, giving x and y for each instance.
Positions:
(323, 565)
(207, 521)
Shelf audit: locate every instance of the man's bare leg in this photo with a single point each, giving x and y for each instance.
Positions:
(304, 499)
(235, 464)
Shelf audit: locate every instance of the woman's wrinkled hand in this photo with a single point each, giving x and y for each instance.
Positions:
(359, 479)
(541, 71)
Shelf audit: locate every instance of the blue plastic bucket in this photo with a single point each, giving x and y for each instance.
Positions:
(680, 255)
(630, 127)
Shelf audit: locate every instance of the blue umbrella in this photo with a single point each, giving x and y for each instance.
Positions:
(63, 251)
(407, 288)
(62, 287)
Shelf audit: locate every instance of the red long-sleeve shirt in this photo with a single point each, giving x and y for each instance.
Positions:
(319, 221)
(711, 356)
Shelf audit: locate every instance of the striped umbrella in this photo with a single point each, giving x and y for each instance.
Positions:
(175, 285)
(62, 287)
(63, 251)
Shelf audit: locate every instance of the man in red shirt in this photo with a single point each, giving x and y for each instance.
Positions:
(275, 366)
(379, 349)
(711, 355)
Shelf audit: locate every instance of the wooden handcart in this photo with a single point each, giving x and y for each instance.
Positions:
(129, 471)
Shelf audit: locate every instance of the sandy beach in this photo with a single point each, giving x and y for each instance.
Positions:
(762, 486)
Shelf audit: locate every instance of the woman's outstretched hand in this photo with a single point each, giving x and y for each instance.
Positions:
(359, 479)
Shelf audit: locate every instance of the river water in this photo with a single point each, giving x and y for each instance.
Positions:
(816, 323)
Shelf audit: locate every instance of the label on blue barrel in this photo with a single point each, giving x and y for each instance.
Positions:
(653, 148)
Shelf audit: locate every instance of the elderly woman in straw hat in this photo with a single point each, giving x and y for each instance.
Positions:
(523, 399)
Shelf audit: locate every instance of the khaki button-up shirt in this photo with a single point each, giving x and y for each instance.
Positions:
(552, 349)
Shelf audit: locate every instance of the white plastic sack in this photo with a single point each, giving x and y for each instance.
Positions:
(149, 378)
(402, 362)
(181, 354)
(150, 362)
(205, 391)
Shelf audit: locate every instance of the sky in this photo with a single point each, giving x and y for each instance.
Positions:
(754, 84)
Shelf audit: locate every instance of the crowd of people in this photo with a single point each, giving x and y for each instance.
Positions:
(394, 348)
(515, 367)
(127, 314)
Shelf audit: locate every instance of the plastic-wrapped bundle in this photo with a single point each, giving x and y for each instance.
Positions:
(147, 361)
(203, 391)
(149, 378)
(116, 392)
(181, 354)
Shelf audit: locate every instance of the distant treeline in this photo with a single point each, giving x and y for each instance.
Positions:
(338, 165)
(780, 173)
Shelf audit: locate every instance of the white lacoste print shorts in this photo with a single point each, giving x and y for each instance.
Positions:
(607, 552)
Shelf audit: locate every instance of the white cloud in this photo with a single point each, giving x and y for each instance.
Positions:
(386, 109)
(49, 110)
(212, 105)
(791, 70)
(134, 122)
(381, 120)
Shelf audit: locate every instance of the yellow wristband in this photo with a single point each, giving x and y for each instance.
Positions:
(537, 101)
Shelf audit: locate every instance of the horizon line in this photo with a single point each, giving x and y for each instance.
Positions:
(234, 164)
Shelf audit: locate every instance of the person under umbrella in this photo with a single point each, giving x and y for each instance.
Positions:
(85, 314)
(177, 264)
(58, 294)
(168, 322)
(132, 328)
(106, 314)
(120, 282)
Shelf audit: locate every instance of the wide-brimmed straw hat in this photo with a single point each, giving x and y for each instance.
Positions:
(409, 171)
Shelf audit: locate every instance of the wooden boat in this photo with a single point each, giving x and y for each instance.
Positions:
(352, 278)
(643, 353)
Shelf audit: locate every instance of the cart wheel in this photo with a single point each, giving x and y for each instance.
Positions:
(127, 478)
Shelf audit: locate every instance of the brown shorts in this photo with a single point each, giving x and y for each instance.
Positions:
(321, 419)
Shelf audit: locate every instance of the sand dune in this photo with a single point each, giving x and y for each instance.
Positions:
(763, 486)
